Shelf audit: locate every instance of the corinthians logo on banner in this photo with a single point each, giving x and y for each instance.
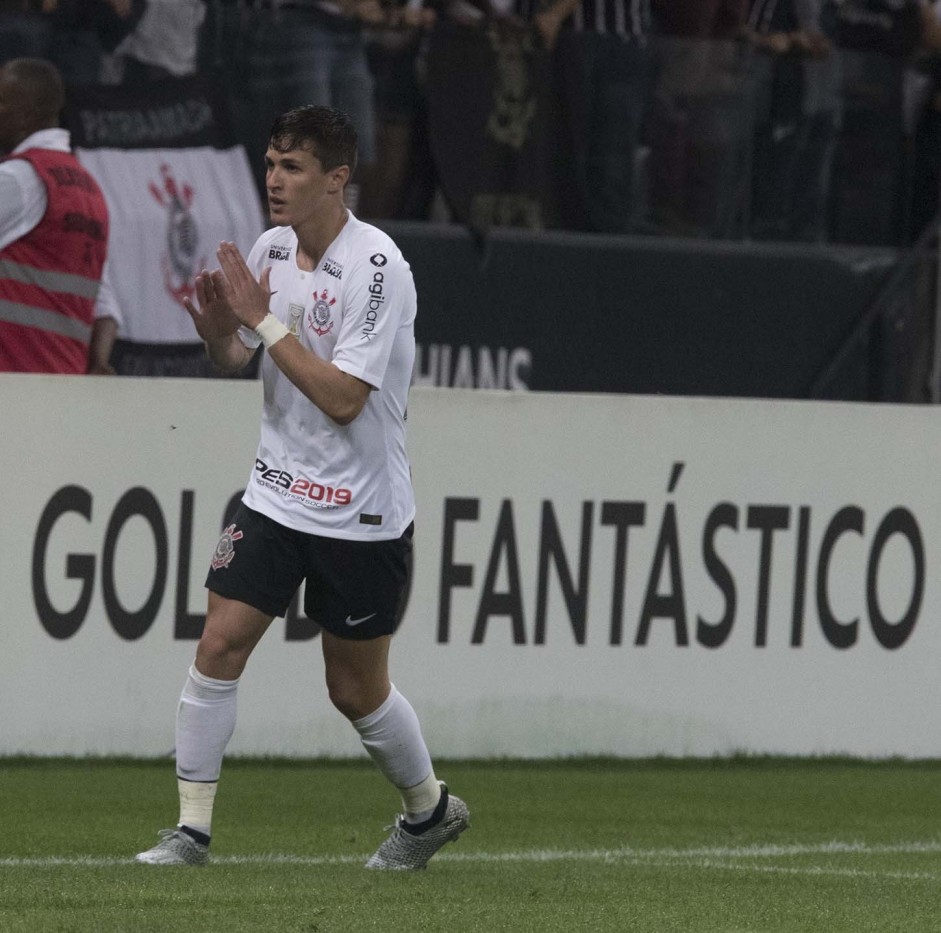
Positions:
(179, 183)
(182, 238)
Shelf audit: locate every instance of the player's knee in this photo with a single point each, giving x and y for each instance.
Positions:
(217, 655)
(344, 699)
(348, 696)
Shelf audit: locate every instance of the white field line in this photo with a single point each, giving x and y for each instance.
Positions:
(754, 858)
(818, 870)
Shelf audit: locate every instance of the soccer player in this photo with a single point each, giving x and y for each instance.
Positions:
(329, 498)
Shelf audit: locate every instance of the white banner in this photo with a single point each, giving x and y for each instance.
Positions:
(593, 574)
(170, 208)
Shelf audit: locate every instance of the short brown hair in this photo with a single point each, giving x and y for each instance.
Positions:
(327, 132)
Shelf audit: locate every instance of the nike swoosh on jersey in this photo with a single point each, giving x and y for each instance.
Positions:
(350, 621)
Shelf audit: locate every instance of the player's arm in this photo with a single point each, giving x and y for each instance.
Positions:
(228, 354)
(337, 394)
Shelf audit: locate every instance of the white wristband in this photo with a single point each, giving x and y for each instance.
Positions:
(271, 330)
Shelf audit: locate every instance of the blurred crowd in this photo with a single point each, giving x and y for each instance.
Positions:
(779, 119)
(782, 120)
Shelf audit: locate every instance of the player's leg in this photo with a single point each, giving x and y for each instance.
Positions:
(207, 711)
(358, 684)
(204, 724)
(356, 591)
(256, 570)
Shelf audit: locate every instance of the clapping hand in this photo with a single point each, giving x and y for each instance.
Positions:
(214, 319)
(247, 297)
(228, 297)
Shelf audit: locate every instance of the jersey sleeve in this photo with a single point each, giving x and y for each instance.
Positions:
(378, 301)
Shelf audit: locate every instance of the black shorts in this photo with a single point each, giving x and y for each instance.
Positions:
(355, 589)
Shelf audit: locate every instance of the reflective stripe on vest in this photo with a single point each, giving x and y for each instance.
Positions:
(63, 282)
(40, 318)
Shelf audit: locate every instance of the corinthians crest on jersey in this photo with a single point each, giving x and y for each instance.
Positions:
(320, 320)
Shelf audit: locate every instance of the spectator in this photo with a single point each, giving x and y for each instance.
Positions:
(73, 34)
(797, 111)
(701, 19)
(53, 229)
(889, 27)
(163, 44)
(604, 65)
(279, 54)
(401, 182)
(25, 28)
(86, 31)
(879, 41)
(700, 119)
(926, 202)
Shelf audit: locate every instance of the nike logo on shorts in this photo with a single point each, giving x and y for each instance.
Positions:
(352, 622)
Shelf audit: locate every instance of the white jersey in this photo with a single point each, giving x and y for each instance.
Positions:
(357, 311)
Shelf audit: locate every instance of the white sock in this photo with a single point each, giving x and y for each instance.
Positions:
(419, 802)
(392, 736)
(196, 800)
(205, 722)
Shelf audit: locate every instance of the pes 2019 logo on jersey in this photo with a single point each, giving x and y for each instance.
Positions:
(321, 320)
(179, 265)
(225, 549)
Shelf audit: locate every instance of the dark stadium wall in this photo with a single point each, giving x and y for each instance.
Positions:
(577, 312)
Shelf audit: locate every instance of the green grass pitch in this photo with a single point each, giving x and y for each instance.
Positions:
(728, 845)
